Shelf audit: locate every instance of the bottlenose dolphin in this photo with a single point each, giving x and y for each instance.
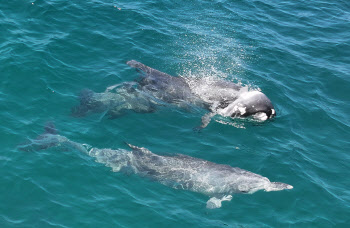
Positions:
(155, 88)
(217, 181)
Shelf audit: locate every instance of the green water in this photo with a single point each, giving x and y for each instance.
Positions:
(296, 52)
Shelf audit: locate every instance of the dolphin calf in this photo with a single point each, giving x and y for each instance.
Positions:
(155, 88)
(218, 181)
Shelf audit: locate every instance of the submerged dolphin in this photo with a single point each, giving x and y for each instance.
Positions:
(217, 181)
(156, 88)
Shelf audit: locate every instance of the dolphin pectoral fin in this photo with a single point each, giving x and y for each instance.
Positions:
(227, 198)
(205, 121)
(114, 115)
(197, 129)
(214, 202)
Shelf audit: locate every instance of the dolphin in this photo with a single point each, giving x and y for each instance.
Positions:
(155, 88)
(218, 181)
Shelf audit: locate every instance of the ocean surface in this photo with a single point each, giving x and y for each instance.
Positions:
(296, 52)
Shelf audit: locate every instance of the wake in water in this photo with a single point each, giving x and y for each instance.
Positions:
(217, 181)
(155, 88)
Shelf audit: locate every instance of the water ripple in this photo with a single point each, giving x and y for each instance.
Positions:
(295, 52)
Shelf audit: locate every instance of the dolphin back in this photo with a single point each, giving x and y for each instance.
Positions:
(161, 85)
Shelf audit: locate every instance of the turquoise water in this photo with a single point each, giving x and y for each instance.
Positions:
(296, 52)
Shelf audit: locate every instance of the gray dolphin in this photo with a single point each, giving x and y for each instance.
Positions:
(156, 88)
(217, 181)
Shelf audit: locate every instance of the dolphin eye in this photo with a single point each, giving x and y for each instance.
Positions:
(268, 113)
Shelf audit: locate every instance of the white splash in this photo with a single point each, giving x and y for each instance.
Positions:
(260, 116)
(242, 110)
(209, 90)
(233, 124)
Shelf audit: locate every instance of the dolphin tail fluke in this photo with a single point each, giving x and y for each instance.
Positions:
(277, 186)
(49, 138)
(43, 141)
(85, 98)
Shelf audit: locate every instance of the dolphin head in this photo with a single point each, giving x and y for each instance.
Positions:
(250, 104)
(277, 186)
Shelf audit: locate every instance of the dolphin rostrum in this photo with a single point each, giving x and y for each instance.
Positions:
(155, 88)
(217, 181)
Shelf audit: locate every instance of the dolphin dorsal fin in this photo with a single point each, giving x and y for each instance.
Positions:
(146, 69)
(138, 149)
(50, 128)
